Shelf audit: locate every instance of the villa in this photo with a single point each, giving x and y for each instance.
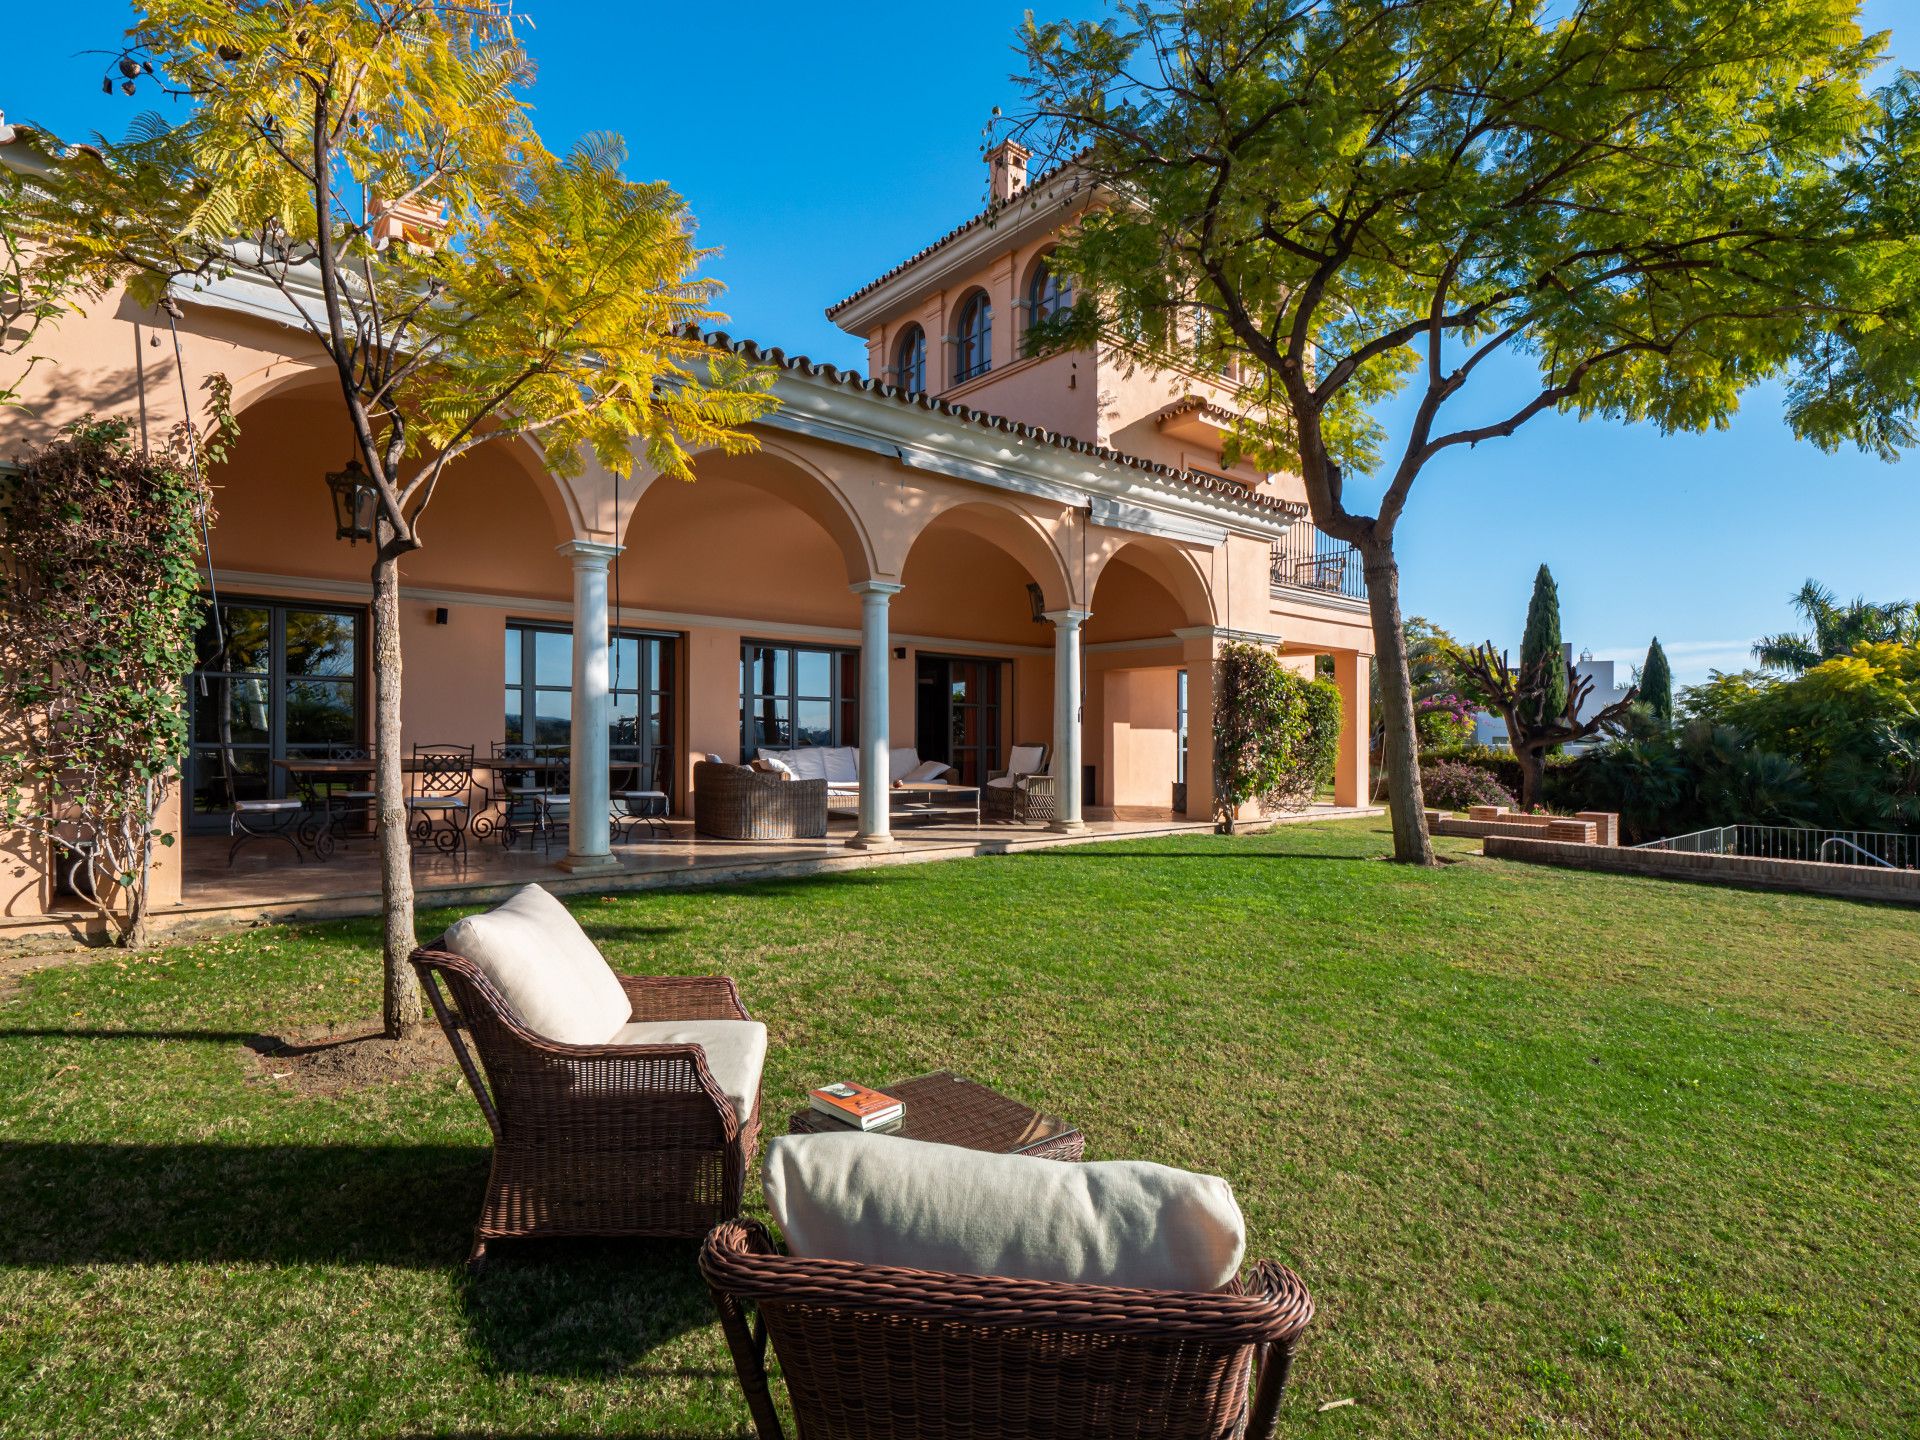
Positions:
(969, 549)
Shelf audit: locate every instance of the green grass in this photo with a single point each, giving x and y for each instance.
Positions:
(1558, 1154)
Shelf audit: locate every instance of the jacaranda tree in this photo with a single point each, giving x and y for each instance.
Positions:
(526, 297)
(1640, 207)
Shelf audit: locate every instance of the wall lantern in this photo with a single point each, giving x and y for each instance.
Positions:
(354, 501)
(1037, 603)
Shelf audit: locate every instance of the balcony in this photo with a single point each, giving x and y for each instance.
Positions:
(1305, 559)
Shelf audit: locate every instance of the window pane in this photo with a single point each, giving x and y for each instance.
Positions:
(513, 676)
(321, 642)
(320, 711)
(221, 776)
(625, 722)
(241, 644)
(767, 723)
(552, 658)
(769, 671)
(814, 722)
(815, 673)
(514, 703)
(552, 717)
(232, 712)
(656, 662)
(623, 663)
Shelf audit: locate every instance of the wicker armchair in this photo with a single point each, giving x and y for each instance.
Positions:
(968, 1357)
(732, 802)
(1031, 799)
(598, 1139)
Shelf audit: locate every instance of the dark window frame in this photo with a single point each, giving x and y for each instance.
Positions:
(910, 360)
(973, 338)
(842, 698)
(638, 752)
(277, 677)
(1048, 291)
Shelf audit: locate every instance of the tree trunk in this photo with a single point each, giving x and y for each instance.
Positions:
(401, 1000)
(1405, 802)
(1533, 770)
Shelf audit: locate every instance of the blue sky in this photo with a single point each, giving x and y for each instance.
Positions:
(820, 145)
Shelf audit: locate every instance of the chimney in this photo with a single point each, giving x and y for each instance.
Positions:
(1006, 170)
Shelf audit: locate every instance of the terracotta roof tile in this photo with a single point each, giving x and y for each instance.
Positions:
(1220, 485)
(986, 216)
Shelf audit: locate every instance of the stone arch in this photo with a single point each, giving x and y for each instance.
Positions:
(1009, 528)
(1176, 568)
(303, 379)
(783, 472)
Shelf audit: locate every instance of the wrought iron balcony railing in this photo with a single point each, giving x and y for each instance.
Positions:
(1308, 560)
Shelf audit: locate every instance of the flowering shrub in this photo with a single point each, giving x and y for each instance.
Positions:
(1454, 785)
(1441, 720)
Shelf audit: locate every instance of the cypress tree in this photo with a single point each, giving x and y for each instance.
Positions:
(1542, 641)
(1656, 683)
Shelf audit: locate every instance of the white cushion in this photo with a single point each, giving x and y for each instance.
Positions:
(1000, 782)
(736, 1050)
(883, 1200)
(901, 761)
(809, 762)
(1025, 759)
(925, 770)
(713, 759)
(843, 763)
(545, 967)
(775, 761)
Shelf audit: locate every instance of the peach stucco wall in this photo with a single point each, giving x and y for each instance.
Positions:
(762, 545)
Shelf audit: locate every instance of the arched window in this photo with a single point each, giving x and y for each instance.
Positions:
(973, 338)
(910, 360)
(1047, 293)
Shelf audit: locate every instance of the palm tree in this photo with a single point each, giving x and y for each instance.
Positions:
(1836, 629)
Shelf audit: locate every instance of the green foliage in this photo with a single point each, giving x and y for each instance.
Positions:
(1540, 649)
(1837, 747)
(1317, 750)
(1442, 720)
(1276, 734)
(1258, 720)
(1835, 629)
(1501, 763)
(1656, 684)
(101, 603)
(1456, 785)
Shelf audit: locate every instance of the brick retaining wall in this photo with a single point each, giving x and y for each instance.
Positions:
(1850, 882)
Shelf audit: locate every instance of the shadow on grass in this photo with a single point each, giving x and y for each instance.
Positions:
(539, 1308)
(1217, 857)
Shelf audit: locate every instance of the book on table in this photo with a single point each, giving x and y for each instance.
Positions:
(856, 1105)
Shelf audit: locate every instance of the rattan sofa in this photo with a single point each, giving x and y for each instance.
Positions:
(732, 802)
(610, 1140)
(872, 1351)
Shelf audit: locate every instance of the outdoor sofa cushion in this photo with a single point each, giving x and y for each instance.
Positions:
(736, 1051)
(883, 1200)
(900, 760)
(1022, 760)
(545, 967)
(925, 771)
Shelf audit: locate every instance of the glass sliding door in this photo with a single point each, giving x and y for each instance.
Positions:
(539, 693)
(272, 681)
(957, 705)
(794, 695)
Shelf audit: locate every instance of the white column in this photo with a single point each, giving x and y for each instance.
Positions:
(588, 830)
(876, 780)
(1067, 687)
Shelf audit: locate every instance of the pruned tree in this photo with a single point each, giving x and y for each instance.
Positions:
(1540, 645)
(1633, 209)
(374, 162)
(1520, 696)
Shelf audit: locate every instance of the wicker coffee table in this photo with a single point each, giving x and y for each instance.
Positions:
(949, 1109)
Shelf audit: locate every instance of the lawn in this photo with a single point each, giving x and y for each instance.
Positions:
(1557, 1153)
